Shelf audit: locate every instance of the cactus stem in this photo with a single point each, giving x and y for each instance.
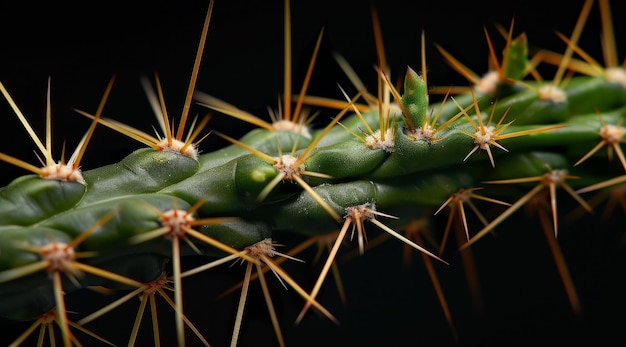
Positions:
(291, 167)
(57, 256)
(297, 176)
(177, 223)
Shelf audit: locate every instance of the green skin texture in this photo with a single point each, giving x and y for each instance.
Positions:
(415, 176)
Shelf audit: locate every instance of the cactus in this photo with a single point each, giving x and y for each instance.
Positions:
(223, 208)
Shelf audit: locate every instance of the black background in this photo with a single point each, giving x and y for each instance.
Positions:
(80, 46)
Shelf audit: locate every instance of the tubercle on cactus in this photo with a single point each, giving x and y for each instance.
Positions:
(236, 202)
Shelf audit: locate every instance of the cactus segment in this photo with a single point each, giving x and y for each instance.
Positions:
(29, 199)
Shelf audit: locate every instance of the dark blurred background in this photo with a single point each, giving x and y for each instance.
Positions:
(81, 45)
